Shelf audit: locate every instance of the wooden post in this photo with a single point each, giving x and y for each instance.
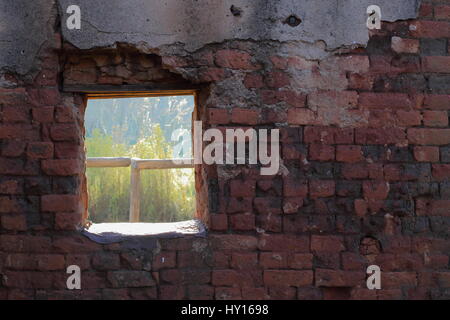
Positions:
(135, 188)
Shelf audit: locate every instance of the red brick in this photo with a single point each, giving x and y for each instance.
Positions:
(352, 63)
(65, 132)
(273, 260)
(399, 262)
(43, 114)
(390, 280)
(254, 294)
(10, 205)
(16, 114)
(165, 259)
(333, 99)
(130, 279)
(406, 118)
(44, 97)
(171, 292)
(234, 242)
(384, 100)
(429, 207)
(442, 12)
(377, 136)
(274, 115)
(16, 222)
(211, 74)
(253, 81)
(50, 262)
(322, 188)
(68, 150)
(321, 152)
(24, 243)
(242, 222)
(375, 190)
(443, 279)
(40, 150)
(288, 278)
(294, 187)
(349, 154)
(13, 148)
(289, 97)
(274, 242)
(235, 278)
(300, 261)
(243, 261)
(60, 203)
(323, 135)
(401, 45)
(11, 186)
(441, 172)
(68, 221)
(435, 118)
(267, 205)
(361, 207)
(426, 154)
(277, 79)
(301, 116)
(426, 10)
(81, 260)
(218, 222)
(19, 131)
(234, 59)
(63, 167)
(429, 136)
(355, 171)
(335, 278)
(244, 116)
(436, 64)
(437, 102)
(327, 243)
(28, 280)
(225, 293)
(236, 205)
(218, 116)
(291, 204)
(430, 29)
(437, 261)
(65, 114)
(353, 261)
(239, 188)
(199, 292)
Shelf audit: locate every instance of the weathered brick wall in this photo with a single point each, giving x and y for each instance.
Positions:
(365, 143)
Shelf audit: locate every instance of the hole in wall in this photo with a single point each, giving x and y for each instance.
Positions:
(293, 20)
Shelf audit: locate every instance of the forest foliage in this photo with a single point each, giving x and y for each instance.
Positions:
(138, 128)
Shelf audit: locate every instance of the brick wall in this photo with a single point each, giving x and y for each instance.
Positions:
(365, 143)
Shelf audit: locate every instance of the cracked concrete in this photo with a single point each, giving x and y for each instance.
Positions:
(326, 24)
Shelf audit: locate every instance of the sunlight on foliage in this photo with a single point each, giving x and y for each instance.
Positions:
(166, 195)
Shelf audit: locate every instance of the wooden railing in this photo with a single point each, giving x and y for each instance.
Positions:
(136, 166)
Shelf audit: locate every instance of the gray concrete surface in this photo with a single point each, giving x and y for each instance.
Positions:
(149, 24)
(24, 27)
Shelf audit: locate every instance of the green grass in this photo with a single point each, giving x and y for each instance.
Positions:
(166, 195)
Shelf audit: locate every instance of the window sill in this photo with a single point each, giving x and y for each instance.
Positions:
(106, 233)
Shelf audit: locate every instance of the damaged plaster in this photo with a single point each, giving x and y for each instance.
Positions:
(317, 26)
(195, 23)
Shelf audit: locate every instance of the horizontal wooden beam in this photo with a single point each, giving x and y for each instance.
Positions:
(107, 162)
(140, 164)
(96, 91)
(164, 164)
